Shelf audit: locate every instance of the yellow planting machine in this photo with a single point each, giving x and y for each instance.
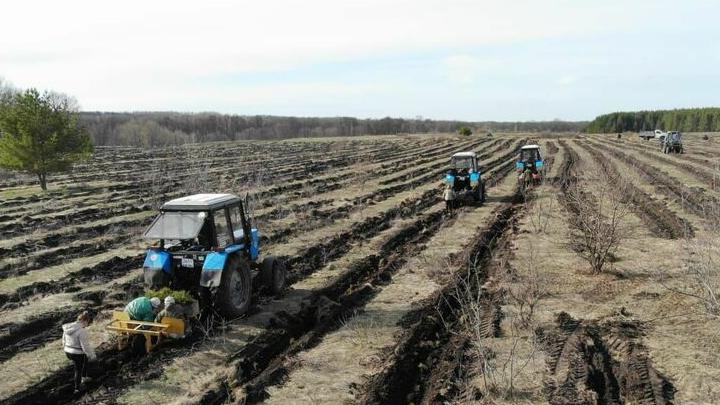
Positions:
(154, 332)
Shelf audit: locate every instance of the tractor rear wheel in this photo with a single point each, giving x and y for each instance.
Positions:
(235, 291)
(273, 274)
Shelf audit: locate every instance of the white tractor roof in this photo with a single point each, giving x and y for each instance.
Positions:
(200, 202)
(530, 147)
(465, 154)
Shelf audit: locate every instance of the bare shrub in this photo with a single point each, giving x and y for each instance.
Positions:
(539, 213)
(703, 269)
(324, 255)
(528, 287)
(598, 219)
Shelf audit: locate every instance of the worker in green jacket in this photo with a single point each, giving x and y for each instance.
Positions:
(143, 308)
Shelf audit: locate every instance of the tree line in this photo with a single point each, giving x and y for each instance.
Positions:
(44, 133)
(685, 120)
(154, 129)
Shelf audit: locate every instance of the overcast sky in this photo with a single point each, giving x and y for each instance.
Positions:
(470, 60)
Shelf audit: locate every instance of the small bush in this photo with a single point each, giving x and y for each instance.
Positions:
(465, 131)
(181, 297)
(598, 221)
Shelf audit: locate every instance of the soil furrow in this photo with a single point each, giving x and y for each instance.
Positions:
(449, 365)
(696, 201)
(360, 275)
(299, 267)
(334, 214)
(262, 362)
(705, 176)
(314, 259)
(56, 239)
(402, 379)
(655, 215)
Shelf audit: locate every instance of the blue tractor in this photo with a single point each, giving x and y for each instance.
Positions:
(530, 166)
(464, 176)
(206, 246)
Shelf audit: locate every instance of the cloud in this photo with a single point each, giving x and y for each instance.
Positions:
(462, 69)
(567, 80)
(469, 69)
(179, 54)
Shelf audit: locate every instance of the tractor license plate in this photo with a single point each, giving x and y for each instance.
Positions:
(188, 262)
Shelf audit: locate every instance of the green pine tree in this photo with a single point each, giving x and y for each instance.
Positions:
(40, 134)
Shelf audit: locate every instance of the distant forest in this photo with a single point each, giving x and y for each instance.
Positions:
(686, 120)
(153, 129)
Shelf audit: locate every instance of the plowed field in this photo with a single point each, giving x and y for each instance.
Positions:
(391, 299)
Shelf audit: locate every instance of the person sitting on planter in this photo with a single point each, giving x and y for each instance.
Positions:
(171, 309)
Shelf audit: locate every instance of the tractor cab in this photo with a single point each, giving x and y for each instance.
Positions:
(205, 245)
(464, 161)
(530, 158)
(464, 175)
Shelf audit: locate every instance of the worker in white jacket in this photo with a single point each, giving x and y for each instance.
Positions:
(449, 196)
(77, 347)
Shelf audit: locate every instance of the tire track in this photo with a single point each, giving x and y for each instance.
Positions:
(604, 363)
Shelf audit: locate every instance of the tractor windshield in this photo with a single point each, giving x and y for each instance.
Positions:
(531, 155)
(459, 163)
(176, 225)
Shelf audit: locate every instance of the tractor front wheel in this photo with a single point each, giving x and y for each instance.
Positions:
(235, 291)
(273, 274)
